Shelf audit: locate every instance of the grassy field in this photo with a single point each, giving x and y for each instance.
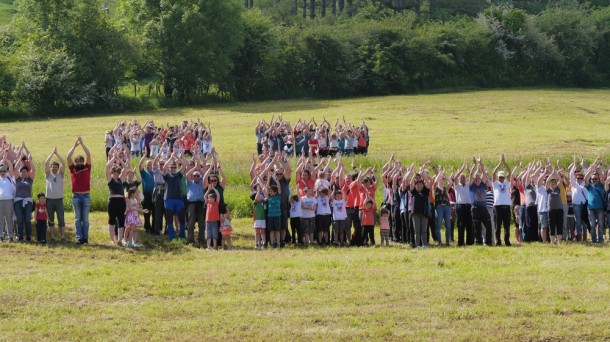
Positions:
(6, 11)
(173, 292)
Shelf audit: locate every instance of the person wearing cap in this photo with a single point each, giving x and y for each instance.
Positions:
(479, 181)
(54, 178)
(595, 201)
(502, 201)
(80, 174)
(7, 196)
(195, 205)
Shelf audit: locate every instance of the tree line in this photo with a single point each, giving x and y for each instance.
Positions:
(62, 56)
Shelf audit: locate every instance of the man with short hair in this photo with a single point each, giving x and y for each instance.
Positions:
(502, 202)
(463, 207)
(54, 177)
(479, 181)
(80, 173)
(174, 204)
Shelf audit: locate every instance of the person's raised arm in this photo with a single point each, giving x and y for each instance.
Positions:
(206, 177)
(87, 153)
(141, 162)
(109, 166)
(32, 167)
(47, 162)
(71, 152)
(222, 179)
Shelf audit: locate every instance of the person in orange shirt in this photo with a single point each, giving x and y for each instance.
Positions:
(368, 221)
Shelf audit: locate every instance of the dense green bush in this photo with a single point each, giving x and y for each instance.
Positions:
(61, 56)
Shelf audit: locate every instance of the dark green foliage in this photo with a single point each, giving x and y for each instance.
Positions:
(66, 56)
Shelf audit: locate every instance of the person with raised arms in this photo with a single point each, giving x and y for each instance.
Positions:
(174, 205)
(479, 181)
(502, 202)
(80, 173)
(54, 177)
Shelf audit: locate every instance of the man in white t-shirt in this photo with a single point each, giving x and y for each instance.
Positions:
(7, 195)
(463, 206)
(501, 190)
(54, 176)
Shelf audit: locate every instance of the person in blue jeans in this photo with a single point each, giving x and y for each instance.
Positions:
(80, 173)
(579, 199)
(595, 201)
(23, 203)
(174, 204)
(443, 210)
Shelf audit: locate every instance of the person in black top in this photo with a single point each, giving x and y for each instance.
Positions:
(116, 175)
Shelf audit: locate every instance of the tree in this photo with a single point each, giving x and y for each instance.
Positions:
(91, 55)
(193, 41)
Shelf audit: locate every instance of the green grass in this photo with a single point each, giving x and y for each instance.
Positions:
(166, 291)
(532, 292)
(7, 10)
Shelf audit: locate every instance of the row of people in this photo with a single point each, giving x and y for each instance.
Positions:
(189, 138)
(307, 137)
(538, 198)
(17, 173)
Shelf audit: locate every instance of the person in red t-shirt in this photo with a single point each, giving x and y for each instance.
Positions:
(80, 172)
(41, 218)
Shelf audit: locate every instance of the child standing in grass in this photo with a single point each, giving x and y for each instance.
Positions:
(384, 226)
(274, 213)
(368, 221)
(308, 215)
(226, 230)
(41, 218)
(132, 217)
(340, 219)
(212, 216)
(295, 219)
(260, 219)
(323, 216)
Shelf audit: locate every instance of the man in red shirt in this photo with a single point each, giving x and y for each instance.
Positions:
(80, 172)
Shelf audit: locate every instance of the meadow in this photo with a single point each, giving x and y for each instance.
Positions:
(167, 291)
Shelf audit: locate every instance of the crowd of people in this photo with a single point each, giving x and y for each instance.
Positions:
(307, 137)
(177, 184)
(546, 203)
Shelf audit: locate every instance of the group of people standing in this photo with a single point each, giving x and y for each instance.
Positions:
(544, 202)
(182, 185)
(17, 202)
(308, 138)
